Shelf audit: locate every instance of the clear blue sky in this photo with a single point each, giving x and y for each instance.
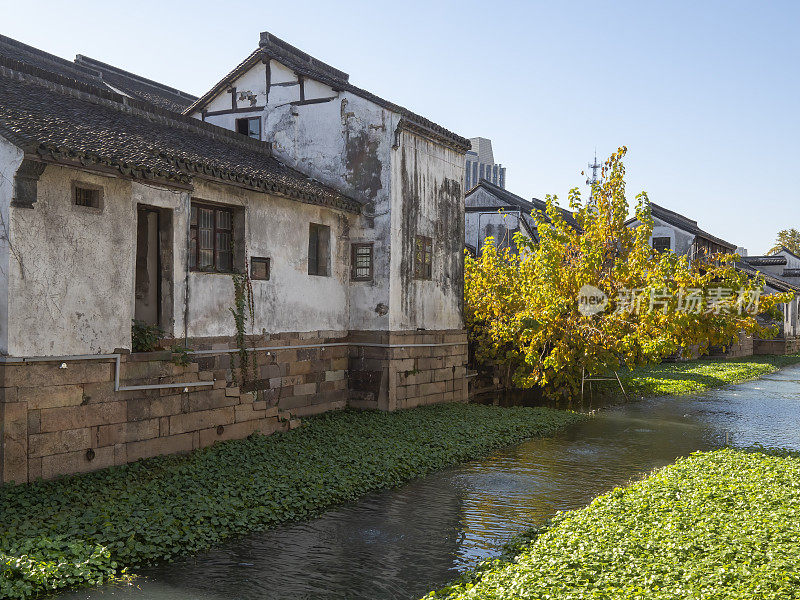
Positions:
(705, 94)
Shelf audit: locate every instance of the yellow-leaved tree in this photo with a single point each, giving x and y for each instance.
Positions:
(592, 298)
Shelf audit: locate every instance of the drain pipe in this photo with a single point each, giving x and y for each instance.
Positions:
(186, 265)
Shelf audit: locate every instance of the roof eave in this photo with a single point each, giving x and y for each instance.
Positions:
(225, 82)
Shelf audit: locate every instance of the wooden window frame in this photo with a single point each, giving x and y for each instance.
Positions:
(325, 271)
(423, 270)
(354, 248)
(248, 119)
(260, 260)
(82, 185)
(194, 228)
(662, 237)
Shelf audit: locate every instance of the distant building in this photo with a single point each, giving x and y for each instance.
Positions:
(492, 211)
(673, 232)
(480, 165)
(781, 272)
(681, 235)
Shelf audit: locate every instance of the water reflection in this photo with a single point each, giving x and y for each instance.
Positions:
(401, 543)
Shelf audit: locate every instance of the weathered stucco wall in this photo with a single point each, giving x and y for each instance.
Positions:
(680, 241)
(10, 159)
(345, 142)
(792, 262)
(292, 300)
(427, 200)
(71, 275)
(72, 279)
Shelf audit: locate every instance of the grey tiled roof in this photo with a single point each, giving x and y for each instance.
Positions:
(791, 272)
(12, 49)
(771, 280)
(139, 87)
(526, 205)
(764, 261)
(93, 72)
(66, 121)
(686, 224)
(304, 64)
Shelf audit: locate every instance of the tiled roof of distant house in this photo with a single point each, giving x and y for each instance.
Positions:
(93, 72)
(686, 224)
(764, 261)
(67, 121)
(789, 252)
(272, 47)
(773, 281)
(528, 206)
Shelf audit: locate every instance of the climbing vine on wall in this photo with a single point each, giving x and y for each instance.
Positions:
(242, 310)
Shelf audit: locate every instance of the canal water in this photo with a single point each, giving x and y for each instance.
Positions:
(401, 543)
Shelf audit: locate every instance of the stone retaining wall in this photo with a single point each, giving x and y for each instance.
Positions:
(777, 346)
(744, 346)
(417, 368)
(60, 418)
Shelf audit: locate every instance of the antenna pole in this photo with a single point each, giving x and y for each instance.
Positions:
(594, 166)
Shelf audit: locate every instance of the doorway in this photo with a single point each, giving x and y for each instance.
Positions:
(153, 286)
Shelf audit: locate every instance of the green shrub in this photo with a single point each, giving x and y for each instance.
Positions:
(144, 337)
(84, 529)
(722, 525)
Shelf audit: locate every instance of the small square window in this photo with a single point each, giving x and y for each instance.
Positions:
(361, 262)
(259, 268)
(423, 257)
(250, 126)
(662, 244)
(319, 252)
(88, 196)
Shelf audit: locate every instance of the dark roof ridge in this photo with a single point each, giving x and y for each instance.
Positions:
(510, 195)
(769, 278)
(224, 82)
(660, 208)
(26, 72)
(260, 54)
(48, 56)
(678, 220)
(83, 60)
(273, 44)
(533, 204)
(785, 249)
(97, 129)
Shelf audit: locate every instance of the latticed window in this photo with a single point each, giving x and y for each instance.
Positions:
(423, 257)
(212, 238)
(361, 261)
(86, 196)
(662, 244)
